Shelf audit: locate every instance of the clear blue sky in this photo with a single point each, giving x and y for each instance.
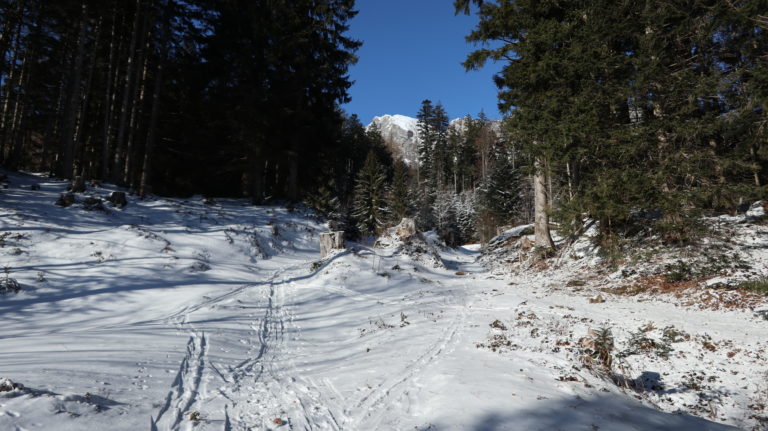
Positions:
(412, 50)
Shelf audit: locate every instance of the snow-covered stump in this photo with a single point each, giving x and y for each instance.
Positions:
(331, 241)
(406, 228)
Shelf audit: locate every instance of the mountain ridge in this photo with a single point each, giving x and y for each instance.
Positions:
(401, 134)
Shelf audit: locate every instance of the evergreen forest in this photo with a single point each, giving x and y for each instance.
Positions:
(635, 116)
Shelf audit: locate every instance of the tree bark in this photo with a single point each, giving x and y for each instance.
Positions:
(146, 169)
(80, 149)
(7, 99)
(110, 96)
(541, 207)
(138, 102)
(17, 141)
(70, 114)
(119, 160)
(331, 241)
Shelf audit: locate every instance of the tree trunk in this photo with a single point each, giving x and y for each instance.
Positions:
(293, 178)
(110, 96)
(118, 160)
(146, 169)
(138, 103)
(541, 206)
(331, 241)
(73, 98)
(79, 148)
(17, 141)
(7, 99)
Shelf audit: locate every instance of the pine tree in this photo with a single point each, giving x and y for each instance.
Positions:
(370, 206)
(500, 192)
(466, 209)
(427, 139)
(442, 160)
(400, 199)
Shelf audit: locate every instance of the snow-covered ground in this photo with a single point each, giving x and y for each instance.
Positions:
(172, 314)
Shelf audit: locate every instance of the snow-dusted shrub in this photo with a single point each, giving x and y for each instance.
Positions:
(6, 385)
(641, 343)
(9, 285)
(598, 348)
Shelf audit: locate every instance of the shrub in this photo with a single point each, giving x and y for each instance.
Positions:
(9, 285)
(600, 347)
(759, 285)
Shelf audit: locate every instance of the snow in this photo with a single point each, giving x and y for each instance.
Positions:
(402, 121)
(171, 314)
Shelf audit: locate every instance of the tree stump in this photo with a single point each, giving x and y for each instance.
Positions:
(406, 228)
(118, 199)
(331, 241)
(78, 185)
(65, 200)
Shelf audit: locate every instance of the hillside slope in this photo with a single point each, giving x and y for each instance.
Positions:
(172, 314)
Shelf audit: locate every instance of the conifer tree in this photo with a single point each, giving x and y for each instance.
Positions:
(370, 206)
(427, 139)
(638, 104)
(442, 160)
(400, 200)
(500, 192)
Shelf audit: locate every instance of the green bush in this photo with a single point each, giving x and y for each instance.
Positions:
(759, 285)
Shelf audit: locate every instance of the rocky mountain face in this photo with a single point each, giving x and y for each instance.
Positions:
(401, 134)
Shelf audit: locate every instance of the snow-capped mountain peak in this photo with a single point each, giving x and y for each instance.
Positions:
(400, 134)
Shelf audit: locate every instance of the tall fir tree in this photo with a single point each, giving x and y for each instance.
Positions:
(370, 204)
(400, 196)
(442, 160)
(427, 138)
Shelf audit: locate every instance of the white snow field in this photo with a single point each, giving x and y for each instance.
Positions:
(170, 314)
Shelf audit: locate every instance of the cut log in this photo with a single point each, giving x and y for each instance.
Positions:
(331, 241)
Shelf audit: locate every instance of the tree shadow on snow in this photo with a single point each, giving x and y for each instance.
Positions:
(610, 412)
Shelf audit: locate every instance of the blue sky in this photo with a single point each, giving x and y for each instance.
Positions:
(412, 50)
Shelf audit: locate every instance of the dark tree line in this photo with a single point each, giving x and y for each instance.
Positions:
(177, 96)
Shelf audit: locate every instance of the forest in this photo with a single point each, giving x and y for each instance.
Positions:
(197, 234)
(637, 115)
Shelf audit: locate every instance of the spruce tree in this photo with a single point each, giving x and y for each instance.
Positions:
(400, 199)
(370, 205)
(635, 104)
(442, 160)
(500, 192)
(427, 138)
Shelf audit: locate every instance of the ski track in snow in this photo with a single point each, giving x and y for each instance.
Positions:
(178, 316)
(267, 376)
(373, 406)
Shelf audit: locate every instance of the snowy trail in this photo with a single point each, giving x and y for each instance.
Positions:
(172, 315)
